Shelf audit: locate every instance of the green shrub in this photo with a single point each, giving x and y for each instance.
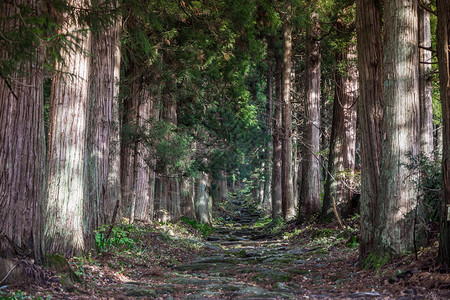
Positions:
(120, 237)
(204, 229)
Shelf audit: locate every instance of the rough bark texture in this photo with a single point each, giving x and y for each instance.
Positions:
(310, 186)
(425, 83)
(443, 39)
(267, 201)
(223, 187)
(341, 161)
(188, 194)
(103, 93)
(173, 201)
(370, 114)
(69, 223)
(128, 145)
(114, 194)
(277, 145)
(398, 191)
(142, 179)
(22, 152)
(203, 199)
(288, 204)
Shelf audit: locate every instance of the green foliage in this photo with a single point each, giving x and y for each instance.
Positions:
(204, 229)
(18, 295)
(120, 237)
(374, 261)
(429, 185)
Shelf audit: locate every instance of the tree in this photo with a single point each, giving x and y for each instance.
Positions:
(396, 222)
(341, 162)
(443, 41)
(22, 141)
(103, 99)
(425, 83)
(370, 113)
(203, 199)
(277, 193)
(310, 183)
(69, 224)
(288, 201)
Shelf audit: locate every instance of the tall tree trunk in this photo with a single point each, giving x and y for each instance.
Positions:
(425, 84)
(173, 200)
(223, 187)
(22, 150)
(341, 161)
(203, 199)
(310, 188)
(443, 40)
(370, 114)
(277, 145)
(129, 145)
(114, 194)
(103, 93)
(397, 204)
(143, 201)
(188, 193)
(288, 204)
(69, 224)
(267, 201)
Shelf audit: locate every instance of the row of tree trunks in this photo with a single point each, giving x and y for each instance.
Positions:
(443, 42)
(22, 150)
(310, 183)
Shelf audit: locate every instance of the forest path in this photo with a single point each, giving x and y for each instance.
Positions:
(247, 263)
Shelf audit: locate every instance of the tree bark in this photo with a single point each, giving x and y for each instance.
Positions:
(370, 114)
(22, 151)
(396, 224)
(277, 145)
(69, 224)
(425, 83)
(310, 186)
(443, 41)
(188, 192)
(267, 201)
(143, 200)
(203, 199)
(114, 194)
(129, 145)
(288, 204)
(341, 161)
(103, 93)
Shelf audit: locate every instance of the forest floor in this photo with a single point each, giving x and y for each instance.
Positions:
(245, 256)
